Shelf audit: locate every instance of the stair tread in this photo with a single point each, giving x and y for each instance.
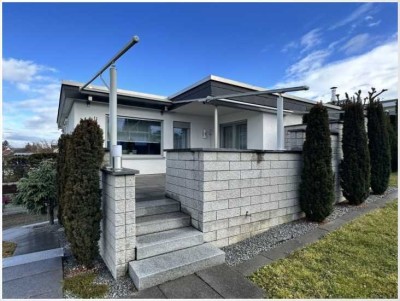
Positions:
(166, 236)
(174, 260)
(155, 203)
(152, 219)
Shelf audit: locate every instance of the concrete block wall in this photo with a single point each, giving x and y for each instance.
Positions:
(234, 195)
(118, 230)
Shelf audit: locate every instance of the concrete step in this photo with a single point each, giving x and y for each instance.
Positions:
(159, 269)
(161, 222)
(156, 207)
(167, 241)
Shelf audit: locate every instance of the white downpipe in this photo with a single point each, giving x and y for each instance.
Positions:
(216, 128)
(279, 123)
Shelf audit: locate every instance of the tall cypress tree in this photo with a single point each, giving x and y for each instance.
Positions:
(62, 173)
(379, 147)
(317, 181)
(355, 166)
(82, 212)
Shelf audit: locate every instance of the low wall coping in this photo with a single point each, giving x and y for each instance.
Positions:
(121, 172)
(230, 150)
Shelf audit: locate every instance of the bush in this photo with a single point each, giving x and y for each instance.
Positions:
(392, 131)
(355, 166)
(379, 148)
(317, 181)
(81, 207)
(37, 188)
(63, 171)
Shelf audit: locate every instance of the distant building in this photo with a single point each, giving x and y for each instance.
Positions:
(390, 106)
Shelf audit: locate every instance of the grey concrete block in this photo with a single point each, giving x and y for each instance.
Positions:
(153, 271)
(167, 241)
(32, 257)
(229, 283)
(333, 225)
(156, 207)
(248, 267)
(188, 287)
(161, 222)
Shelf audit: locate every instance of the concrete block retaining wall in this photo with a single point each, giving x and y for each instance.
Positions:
(118, 230)
(233, 195)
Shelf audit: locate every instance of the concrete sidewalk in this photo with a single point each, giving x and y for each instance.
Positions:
(224, 282)
(35, 270)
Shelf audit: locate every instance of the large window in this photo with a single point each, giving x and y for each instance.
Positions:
(234, 135)
(181, 134)
(138, 137)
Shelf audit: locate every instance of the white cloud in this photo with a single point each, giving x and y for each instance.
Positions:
(311, 39)
(32, 118)
(354, 16)
(312, 61)
(356, 43)
(376, 68)
(373, 24)
(21, 71)
(289, 46)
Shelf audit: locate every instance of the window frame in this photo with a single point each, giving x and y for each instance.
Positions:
(180, 127)
(234, 125)
(136, 156)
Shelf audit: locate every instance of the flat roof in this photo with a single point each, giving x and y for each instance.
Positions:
(247, 86)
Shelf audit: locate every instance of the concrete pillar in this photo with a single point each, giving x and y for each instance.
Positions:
(118, 226)
(280, 143)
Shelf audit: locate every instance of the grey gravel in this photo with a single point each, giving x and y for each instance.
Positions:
(250, 247)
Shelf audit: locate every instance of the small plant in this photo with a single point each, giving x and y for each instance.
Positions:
(317, 181)
(38, 189)
(355, 166)
(82, 286)
(379, 147)
(8, 248)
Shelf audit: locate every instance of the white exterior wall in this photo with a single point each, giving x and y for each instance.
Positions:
(146, 164)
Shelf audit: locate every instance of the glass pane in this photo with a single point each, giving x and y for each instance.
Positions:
(181, 138)
(227, 136)
(241, 136)
(138, 136)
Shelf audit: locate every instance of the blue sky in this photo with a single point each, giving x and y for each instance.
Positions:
(349, 45)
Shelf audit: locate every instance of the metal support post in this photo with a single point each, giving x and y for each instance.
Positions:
(279, 123)
(216, 128)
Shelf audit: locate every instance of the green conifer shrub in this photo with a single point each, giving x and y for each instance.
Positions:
(81, 207)
(317, 180)
(378, 143)
(62, 172)
(355, 166)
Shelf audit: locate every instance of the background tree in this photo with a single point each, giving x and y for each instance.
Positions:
(317, 181)
(82, 212)
(355, 166)
(38, 189)
(378, 143)
(393, 134)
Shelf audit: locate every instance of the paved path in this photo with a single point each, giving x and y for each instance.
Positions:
(35, 270)
(231, 283)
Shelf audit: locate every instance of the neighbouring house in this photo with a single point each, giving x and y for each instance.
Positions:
(389, 105)
(149, 124)
(219, 191)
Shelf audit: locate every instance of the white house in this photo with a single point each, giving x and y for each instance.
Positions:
(149, 124)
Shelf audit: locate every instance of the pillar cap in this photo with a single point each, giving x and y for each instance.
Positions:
(121, 172)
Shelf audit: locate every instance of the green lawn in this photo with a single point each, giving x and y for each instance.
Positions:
(393, 179)
(358, 260)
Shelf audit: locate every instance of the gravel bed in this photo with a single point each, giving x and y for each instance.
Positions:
(248, 248)
(120, 288)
